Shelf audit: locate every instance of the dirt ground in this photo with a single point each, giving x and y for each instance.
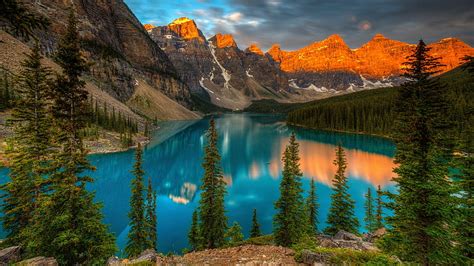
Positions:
(242, 255)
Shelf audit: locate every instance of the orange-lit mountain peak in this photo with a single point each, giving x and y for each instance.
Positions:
(334, 38)
(223, 40)
(186, 28)
(275, 52)
(379, 36)
(450, 51)
(253, 48)
(149, 26)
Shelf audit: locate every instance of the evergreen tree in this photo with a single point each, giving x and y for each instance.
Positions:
(234, 234)
(6, 97)
(341, 214)
(370, 221)
(211, 205)
(151, 216)
(312, 209)
(31, 154)
(68, 223)
(255, 231)
(422, 225)
(287, 228)
(379, 212)
(137, 236)
(194, 235)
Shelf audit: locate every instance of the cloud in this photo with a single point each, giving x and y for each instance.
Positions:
(297, 23)
(365, 25)
(234, 17)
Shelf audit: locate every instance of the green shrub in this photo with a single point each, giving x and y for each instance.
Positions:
(340, 256)
(306, 242)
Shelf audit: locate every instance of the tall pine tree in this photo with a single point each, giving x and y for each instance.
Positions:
(68, 223)
(341, 214)
(369, 219)
(422, 225)
(137, 236)
(255, 231)
(151, 216)
(32, 148)
(211, 205)
(290, 215)
(312, 209)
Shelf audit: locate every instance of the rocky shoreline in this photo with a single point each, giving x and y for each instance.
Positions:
(343, 248)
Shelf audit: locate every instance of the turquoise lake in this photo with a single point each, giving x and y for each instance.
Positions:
(251, 148)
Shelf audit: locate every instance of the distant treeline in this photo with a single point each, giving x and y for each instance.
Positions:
(372, 111)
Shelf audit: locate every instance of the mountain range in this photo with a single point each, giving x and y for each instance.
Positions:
(230, 77)
(164, 71)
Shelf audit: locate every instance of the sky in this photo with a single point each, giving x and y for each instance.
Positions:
(296, 23)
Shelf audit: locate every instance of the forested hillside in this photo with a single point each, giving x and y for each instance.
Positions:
(372, 111)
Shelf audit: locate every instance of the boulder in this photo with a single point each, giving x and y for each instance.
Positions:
(39, 261)
(313, 258)
(114, 261)
(328, 243)
(343, 235)
(373, 236)
(10, 255)
(147, 255)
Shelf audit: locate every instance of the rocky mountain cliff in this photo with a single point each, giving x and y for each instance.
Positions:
(216, 69)
(121, 53)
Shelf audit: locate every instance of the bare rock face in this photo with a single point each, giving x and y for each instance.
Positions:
(149, 26)
(117, 45)
(218, 71)
(10, 255)
(253, 48)
(223, 40)
(186, 29)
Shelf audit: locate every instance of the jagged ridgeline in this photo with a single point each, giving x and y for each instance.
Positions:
(372, 111)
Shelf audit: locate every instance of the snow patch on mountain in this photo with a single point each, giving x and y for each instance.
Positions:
(367, 84)
(248, 73)
(225, 74)
(201, 82)
(310, 87)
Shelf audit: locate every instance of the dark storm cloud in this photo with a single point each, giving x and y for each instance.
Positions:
(297, 23)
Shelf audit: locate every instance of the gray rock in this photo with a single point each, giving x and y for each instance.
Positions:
(10, 255)
(313, 258)
(114, 261)
(147, 255)
(343, 235)
(39, 261)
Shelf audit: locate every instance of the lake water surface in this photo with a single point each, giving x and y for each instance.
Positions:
(251, 148)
